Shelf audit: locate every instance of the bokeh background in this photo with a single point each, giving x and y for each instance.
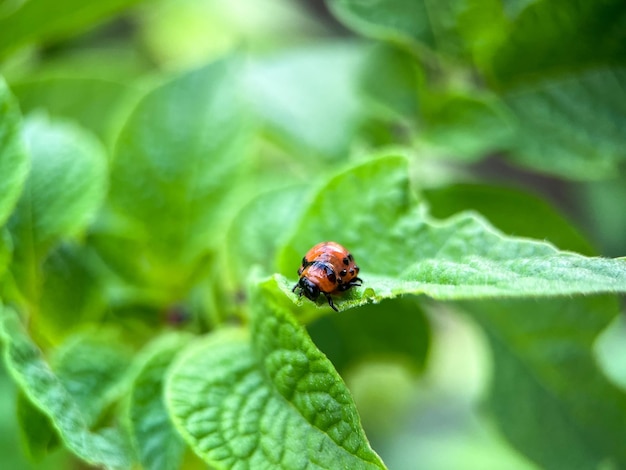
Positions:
(324, 94)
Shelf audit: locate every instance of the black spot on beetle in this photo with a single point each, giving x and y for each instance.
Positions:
(346, 261)
(350, 257)
(343, 272)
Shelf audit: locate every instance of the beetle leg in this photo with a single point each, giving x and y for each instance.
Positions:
(330, 302)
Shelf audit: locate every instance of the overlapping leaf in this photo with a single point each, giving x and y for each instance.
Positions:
(105, 447)
(41, 20)
(175, 165)
(158, 444)
(65, 188)
(14, 162)
(546, 377)
(461, 257)
(270, 401)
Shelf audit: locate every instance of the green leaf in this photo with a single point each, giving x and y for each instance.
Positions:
(396, 91)
(13, 157)
(307, 98)
(455, 28)
(405, 251)
(452, 121)
(254, 238)
(403, 20)
(603, 218)
(105, 447)
(93, 103)
(69, 284)
(91, 365)
(395, 329)
(158, 444)
(368, 198)
(40, 20)
(37, 433)
(6, 250)
(545, 375)
(175, 166)
(571, 126)
(65, 187)
(468, 125)
(552, 37)
(272, 401)
(532, 217)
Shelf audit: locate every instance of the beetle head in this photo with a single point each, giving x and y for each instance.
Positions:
(309, 288)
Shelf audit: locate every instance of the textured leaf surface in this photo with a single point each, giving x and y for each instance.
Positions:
(14, 162)
(543, 351)
(158, 444)
(175, 163)
(105, 447)
(406, 251)
(276, 402)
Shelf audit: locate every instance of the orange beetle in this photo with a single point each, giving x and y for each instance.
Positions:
(327, 268)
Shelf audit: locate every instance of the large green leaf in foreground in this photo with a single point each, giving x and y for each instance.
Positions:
(105, 447)
(401, 250)
(273, 401)
(542, 346)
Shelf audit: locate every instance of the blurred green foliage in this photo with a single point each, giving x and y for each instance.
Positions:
(165, 165)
